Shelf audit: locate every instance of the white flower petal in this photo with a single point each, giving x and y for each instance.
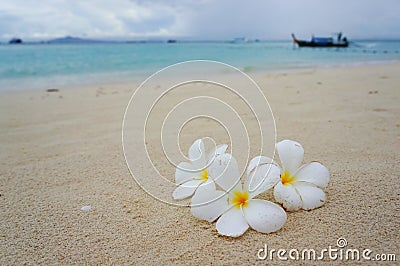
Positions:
(220, 149)
(264, 216)
(185, 172)
(232, 223)
(288, 196)
(262, 178)
(291, 154)
(197, 154)
(208, 203)
(312, 197)
(314, 173)
(225, 172)
(258, 160)
(186, 189)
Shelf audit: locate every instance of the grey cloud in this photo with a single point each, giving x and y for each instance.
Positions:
(206, 19)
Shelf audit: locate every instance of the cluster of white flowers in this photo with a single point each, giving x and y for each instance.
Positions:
(214, 184)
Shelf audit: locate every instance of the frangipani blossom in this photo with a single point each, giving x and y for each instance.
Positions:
(190, 175)
(299, 187)
(236, 206)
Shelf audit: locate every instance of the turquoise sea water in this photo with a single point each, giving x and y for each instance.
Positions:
(32, 66)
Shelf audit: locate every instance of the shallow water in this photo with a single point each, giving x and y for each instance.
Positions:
(32, 66)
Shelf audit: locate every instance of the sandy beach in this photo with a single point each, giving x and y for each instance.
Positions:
(62, 150)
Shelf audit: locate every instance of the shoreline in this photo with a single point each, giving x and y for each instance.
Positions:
(252, 73)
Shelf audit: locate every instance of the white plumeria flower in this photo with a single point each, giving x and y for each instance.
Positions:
(299, 187)
(190, 175)
(236, 204)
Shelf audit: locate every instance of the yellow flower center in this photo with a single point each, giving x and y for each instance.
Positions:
(286, 178)
(204, 175)
(240, 199)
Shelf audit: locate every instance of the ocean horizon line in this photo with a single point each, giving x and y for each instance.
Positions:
(88, 40)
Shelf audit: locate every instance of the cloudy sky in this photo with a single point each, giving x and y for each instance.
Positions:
(197, 19)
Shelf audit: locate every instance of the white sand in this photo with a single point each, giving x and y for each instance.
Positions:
(62, 150)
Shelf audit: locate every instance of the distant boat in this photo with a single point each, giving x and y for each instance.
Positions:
(171, 41)
(243, 40)
(15, 41)
(240, 39)
(322, 42)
